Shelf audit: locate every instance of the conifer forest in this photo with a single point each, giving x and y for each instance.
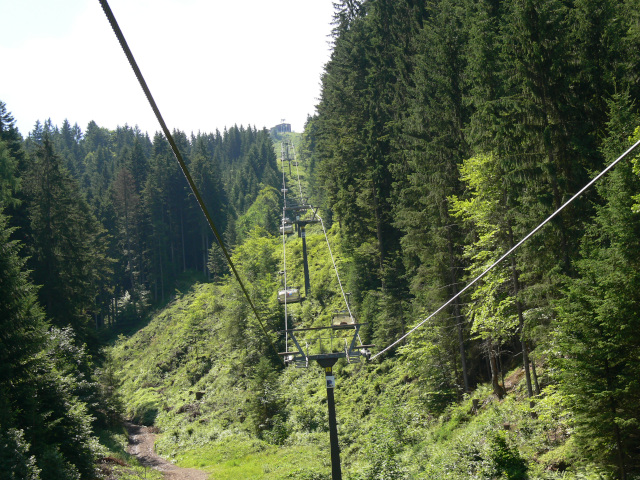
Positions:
(445, 133)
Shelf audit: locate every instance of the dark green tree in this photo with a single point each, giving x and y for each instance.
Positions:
(127, 204)
(45, 428)
(67, 244)
(433, 143)
(598, 331)
(8, 180)
(9, 133)
(159, 197)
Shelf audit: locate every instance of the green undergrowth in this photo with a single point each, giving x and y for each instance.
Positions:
(204, 373)
(234, 414)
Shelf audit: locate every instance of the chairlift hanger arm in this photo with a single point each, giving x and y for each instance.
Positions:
(353, 340)
(297, 208)
(353, 326)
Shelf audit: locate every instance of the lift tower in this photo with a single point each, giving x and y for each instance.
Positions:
(343, 331)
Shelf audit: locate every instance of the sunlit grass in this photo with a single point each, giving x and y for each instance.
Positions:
(229, 460)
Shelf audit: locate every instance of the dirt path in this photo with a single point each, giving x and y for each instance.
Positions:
(141, 445)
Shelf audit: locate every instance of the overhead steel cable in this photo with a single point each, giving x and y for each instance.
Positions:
(176, 152)
(297, 172)
(335, 267)
(512, 249)
(326, 237)
(284, 248)
(324, 231)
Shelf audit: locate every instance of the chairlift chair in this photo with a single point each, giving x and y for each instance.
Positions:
(290, 295)
(286, 228)
(343, 318)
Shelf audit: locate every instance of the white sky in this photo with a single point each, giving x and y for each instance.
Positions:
(208, 63)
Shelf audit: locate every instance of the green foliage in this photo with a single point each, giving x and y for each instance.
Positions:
(486, 209)
(144, 408)
(8, 180)
(241, 417)
(263, 213)
(506, 460)
(445, 131)
(46, 384)
(636, 170)
(264, 407)
(67, 244)
(597, 332)
(15, 462)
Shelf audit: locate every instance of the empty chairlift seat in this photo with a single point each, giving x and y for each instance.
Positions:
(290, 295)
(343, 318)
(286, 228)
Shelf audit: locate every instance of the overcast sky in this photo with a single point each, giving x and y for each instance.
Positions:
(209, 63)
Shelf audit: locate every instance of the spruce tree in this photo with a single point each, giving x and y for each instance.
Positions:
(45, 428)
(598, 331)
(434, 145)
(67, 244)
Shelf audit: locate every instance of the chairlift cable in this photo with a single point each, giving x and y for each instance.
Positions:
(297, 172)
(327, 240)
(512, 249)
(284, 249)
(328, 244)
(344, 296)
(176, 152)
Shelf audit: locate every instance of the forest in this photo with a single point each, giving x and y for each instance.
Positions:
(445, 132)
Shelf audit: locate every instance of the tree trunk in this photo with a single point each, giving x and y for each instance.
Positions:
(498, 390)
(516, 290)
(376, 210)
(184, 256)
(616, 428)
(536, 385)
(161, 270)
(456, 310)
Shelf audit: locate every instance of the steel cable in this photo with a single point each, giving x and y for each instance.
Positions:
(511, 250)
(176, 152)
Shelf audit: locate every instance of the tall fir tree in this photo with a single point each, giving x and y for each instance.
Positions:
(598, 332)
(67, 244)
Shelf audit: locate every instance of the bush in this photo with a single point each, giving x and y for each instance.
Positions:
(145, 407)
(506, 460)
(15, 462)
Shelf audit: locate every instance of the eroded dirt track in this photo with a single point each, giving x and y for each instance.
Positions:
(141, 445)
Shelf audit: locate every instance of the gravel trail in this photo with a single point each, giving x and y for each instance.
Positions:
(141, 441)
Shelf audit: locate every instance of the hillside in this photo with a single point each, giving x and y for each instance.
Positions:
(475, 168)
(204, 375)
(222, 407)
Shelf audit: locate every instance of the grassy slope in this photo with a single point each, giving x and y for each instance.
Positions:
(191, 348)
(198, 372)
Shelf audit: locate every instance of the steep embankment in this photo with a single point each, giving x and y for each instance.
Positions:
(208, 400)
(200, 372)
(204, 374)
